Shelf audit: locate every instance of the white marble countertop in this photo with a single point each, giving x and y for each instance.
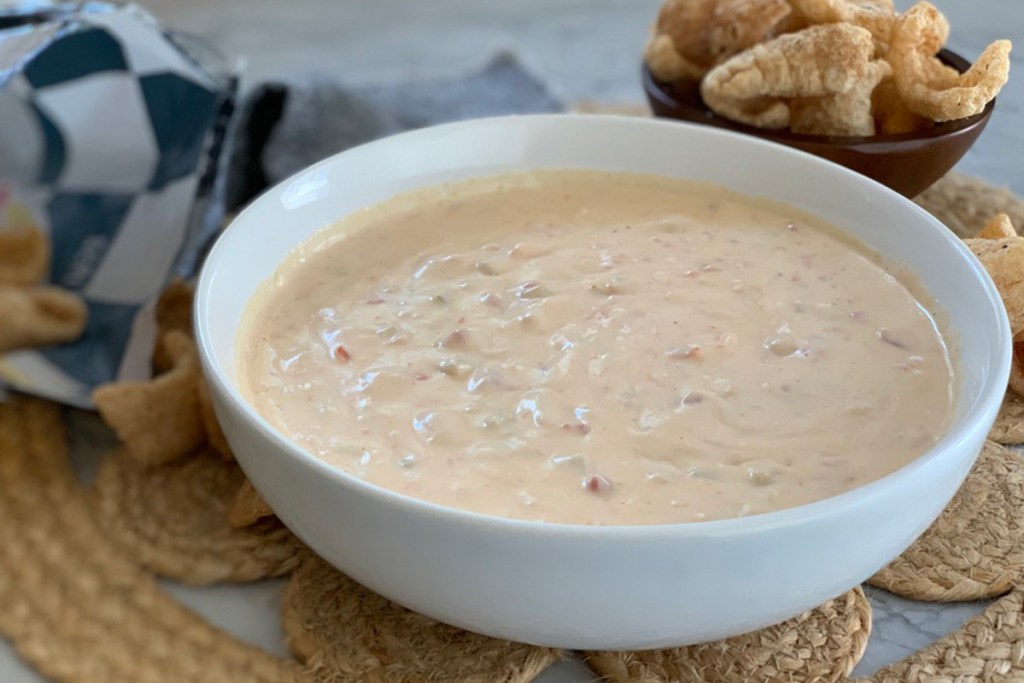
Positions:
(584, 50)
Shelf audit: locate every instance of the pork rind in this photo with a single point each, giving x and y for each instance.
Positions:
(173, 313)
(679, 47)
(171, 415)
(793, 22)
(665, 62)
(39, 316)
(1001, 251)
(24, 256)
(998, 227)
(877, 16)
(174, 307)
(1017, 369)
(248, 507)
(1003, 258)
(892, 115)
(214, 435)
(757, 86)
(804, 66)
(739, 25)
(160, 420)
(932, 89)
(691, 36)
(845, 114)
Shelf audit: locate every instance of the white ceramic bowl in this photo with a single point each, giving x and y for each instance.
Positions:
(601, 587)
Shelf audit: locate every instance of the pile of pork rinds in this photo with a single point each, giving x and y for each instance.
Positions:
(822, 67)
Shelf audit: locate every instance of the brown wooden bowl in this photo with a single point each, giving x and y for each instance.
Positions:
(908, 162)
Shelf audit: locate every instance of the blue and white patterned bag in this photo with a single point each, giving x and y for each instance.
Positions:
(110, 132)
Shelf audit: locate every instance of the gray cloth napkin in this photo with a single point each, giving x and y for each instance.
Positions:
(286, 127)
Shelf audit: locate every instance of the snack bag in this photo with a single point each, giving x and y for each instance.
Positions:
(110, 134)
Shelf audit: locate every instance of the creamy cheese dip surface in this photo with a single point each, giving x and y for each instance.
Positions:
(596, 348)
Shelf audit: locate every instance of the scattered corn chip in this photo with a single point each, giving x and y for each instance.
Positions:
(39, 316)
(248, 508)
(998, 227)
(932, 89)
(755, 86)
(24, 256)
(158, 421)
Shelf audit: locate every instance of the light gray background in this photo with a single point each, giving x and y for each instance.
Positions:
(584, 50)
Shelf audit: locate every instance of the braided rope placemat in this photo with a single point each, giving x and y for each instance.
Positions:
(344, 632)
(80, 604)
(989, 648)
(73, 604)
(173, 520)
(1009, 426)
(975, 549)
(822, 645)
(965, 204)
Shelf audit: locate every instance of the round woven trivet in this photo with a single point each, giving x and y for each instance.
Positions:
(72, 605)
(975, 549)
(822, 645)
(965, 204)
(173, 520)
(346, 633)
(988, 649)
(1009, 426)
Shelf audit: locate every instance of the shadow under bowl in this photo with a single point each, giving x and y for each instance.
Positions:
(909, 163)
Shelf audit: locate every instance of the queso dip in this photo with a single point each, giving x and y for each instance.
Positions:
(596, 348)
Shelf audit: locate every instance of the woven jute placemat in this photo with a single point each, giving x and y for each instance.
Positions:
(821, 645)
(79, 601)
(989, 647)
(344, 632)
(73, 603)
(975, 550)
(173, 520)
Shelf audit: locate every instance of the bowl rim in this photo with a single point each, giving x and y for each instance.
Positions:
(661, 91)
(983, 409)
